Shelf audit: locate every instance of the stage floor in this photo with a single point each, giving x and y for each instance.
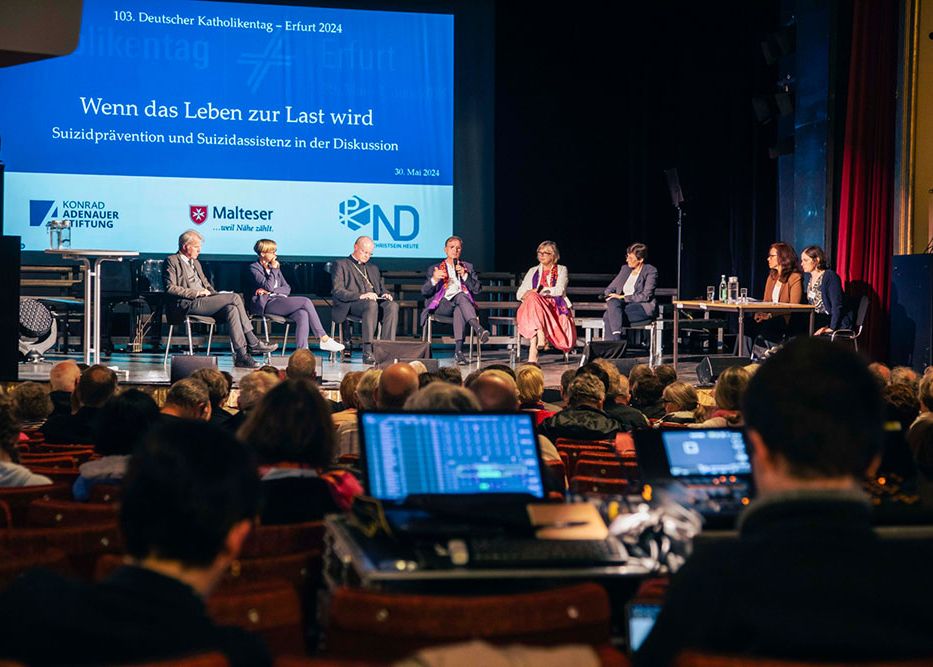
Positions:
(147, 368)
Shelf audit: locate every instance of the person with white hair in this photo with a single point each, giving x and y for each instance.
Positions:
(194, 295)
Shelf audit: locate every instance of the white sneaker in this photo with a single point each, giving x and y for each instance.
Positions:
(330, 345)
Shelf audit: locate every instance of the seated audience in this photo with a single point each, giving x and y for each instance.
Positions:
(291, 431)
(881, 372)
(638, 372)
(96, 385)
(443, 397)
(366, 389)
(497, 392)
(906, 376)
(302, 364)
(188, 399)
(419, 366)
(348, 398)
(219, 391)
(427, 378)
(565, 379)
(253, 386)
(397, 383)
(618, 396)
(451, 374)
(530, 381)
(807, 578)
(920, 441)
(63, 380)
(728, 393)
(11, 472)
(584, 419)
(666, 374)
(31, 405)
(680, 402)
(124, 420)
(646, 396)
(347, 435)
(189, 501)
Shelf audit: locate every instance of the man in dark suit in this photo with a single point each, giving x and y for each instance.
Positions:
(807, 578)
(95, 386)
(449, 290)
(185, 279)
(191, 495)
(630, 296)
(358, 288)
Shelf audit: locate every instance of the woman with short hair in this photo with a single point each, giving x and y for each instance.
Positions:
(545, 316)
(630, 296)
(272, 296)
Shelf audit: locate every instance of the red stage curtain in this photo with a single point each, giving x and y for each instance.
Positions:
(866, 206)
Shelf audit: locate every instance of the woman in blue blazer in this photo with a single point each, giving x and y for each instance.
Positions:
(630, 296)
(272, 296)
(824, 292)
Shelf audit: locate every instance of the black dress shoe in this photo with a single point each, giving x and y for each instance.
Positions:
(368, 358)
(260, 347)
(347, 353)
(460, 359)
(483, 335)
(245, 361)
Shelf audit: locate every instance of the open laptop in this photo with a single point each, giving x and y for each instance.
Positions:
(708, 470)
(419, 458)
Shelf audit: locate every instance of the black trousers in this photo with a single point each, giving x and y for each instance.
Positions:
(230, 308)
(620, 315)
(368, 312)
(463, 311)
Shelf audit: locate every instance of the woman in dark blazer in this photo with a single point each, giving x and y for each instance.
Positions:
(272, 296)
(824, 292)
(630, 296)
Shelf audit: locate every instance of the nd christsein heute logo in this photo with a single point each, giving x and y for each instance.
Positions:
(356, 213)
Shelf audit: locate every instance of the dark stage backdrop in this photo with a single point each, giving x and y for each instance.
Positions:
(593, 104)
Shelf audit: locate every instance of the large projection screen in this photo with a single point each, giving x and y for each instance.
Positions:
(311, 126)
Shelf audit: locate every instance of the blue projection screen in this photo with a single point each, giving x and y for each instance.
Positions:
(310, 126)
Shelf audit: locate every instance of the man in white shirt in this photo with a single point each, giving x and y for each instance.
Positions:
(449, 290)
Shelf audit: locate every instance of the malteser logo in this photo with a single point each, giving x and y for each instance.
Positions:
(198, 214)
(356, 213)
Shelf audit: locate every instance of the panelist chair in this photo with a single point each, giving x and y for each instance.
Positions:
(266, 318)
(187, 321)
(338, 328)
(427, 332)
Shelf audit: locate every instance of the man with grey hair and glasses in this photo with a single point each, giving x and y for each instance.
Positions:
(185, 279)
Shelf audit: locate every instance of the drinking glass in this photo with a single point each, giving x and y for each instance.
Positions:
(743, 295)
(710, 292)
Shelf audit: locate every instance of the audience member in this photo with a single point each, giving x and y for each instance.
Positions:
(11, 472)
(443, 397)
(666, 374)
(904, 375)
(584, 419)
(96, 385)
(680, 403)
(468, 380)
(63, 380)
(272, 370)
(807, 578)
(31, 405)
(188, 399)
(637, 372)
(219, 392)
(619, 409)
(302, 364)
(397, 383)
(881, 372)
(293, 436)
(419, 366)
(348, 387)
(505, 368)
(497, 392)
(902, 405)
(366, 389)
(565, 379)
(646, 396)
(426, 378)
(253, 386)
(451, 374)
(530, 381)
(728, 393)
(123, 422)
(189, 501)
(597, 370)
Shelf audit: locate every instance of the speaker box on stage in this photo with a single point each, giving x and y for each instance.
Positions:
(184, 365)
(912, 311)
(389, 351)
(709, 369)
(604, 349)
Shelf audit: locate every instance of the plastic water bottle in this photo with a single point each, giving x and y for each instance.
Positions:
(723, 290)
(733, 289)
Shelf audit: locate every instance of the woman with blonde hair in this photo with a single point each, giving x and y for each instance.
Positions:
(544, 316)
(680, 402)
(728, 393)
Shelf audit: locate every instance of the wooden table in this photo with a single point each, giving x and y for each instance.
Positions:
(740, 309)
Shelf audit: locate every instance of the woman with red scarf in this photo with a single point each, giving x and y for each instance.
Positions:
(545, 316)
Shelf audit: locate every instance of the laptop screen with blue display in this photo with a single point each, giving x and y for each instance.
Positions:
(413, 454)
(706, 452)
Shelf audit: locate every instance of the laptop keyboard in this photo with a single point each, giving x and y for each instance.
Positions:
(505, 552)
